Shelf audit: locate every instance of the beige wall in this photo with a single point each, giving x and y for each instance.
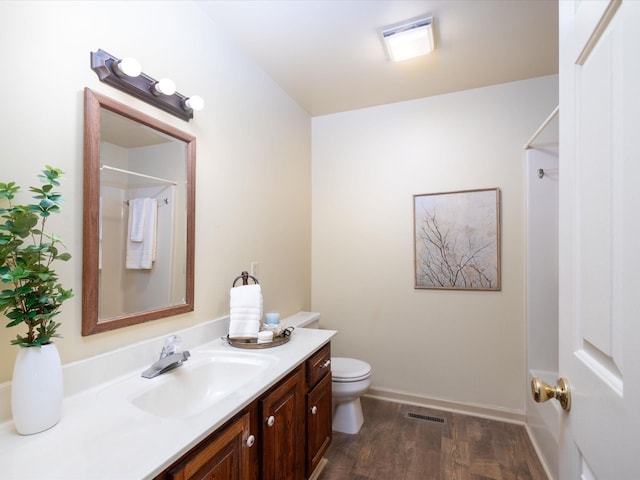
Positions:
(253, 148)
(456, 346)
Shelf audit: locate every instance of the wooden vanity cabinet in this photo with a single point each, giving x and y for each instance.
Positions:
(280, 436)
(319, 408)
(229, 454)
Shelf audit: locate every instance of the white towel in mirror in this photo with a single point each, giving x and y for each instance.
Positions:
(137, 211)
(141, 254)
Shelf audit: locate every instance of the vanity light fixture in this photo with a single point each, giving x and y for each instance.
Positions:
(126, 74)
(194, 102)
(409, 40)
(164, 86)
(128, 66)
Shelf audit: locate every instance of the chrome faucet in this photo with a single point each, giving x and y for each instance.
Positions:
(170, 358)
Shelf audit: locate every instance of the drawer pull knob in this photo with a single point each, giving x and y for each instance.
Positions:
(326, 364)
(314, 410)
(251, 439)
(270, 421)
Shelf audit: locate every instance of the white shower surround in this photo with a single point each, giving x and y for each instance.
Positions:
(543, 420)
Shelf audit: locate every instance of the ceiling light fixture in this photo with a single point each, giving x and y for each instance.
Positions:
(409, 40)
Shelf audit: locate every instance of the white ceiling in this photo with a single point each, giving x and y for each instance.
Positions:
(327, 55)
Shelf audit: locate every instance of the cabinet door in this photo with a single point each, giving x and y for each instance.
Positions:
(319, 426)
(225, 457)
(283, 430)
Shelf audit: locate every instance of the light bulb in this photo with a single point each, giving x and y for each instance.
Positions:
(194, 102)
(128, 66)
(164, 86)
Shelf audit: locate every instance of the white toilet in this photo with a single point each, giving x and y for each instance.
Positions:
(350, 380)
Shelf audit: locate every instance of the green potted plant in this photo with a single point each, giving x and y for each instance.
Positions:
(31, 296)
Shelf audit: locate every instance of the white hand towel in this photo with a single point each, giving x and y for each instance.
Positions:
(245, 312)
(137, 211)
(154, 245)
(245, 296)
(140, 255)
(244, 329)
(100, 236)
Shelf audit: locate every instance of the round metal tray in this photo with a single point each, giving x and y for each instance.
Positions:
(253, 342)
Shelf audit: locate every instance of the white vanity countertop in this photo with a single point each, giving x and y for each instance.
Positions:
(102, 435)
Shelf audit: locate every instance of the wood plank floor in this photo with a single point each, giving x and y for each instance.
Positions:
(395, 446)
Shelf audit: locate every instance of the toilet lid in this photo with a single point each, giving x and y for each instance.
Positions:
(349, 369)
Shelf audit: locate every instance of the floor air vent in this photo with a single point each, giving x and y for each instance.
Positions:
(427, 418)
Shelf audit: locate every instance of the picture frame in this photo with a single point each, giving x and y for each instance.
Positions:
(457, 240)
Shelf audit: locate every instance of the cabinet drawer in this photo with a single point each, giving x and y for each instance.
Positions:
(318, 365)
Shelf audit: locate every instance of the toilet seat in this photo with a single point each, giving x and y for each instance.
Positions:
(345, 370)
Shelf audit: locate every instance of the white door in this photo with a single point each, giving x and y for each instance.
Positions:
(599, 342)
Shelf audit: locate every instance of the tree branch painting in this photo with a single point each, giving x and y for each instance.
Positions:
(457, 240)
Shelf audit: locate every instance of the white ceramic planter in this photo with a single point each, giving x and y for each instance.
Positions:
(36, 389)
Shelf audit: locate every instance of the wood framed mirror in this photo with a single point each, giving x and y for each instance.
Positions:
(139, 217)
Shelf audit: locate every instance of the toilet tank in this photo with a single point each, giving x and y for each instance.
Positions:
(303, 320)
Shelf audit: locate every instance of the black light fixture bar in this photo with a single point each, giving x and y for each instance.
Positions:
(140, 87)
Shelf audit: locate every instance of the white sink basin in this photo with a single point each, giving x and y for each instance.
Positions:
(207, 378)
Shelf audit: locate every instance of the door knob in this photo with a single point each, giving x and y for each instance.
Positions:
(542, 392)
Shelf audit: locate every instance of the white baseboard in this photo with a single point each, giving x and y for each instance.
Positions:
(541, 457)
(502, 414)
(316, 473)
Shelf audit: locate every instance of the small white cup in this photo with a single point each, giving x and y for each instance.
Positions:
(265, 336)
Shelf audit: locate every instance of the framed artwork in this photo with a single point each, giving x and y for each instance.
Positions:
(457, 240)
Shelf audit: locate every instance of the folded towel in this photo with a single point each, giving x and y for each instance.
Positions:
(140, 255)
(245, 312)
(244, 329)
(100, 236)
(137, 212)
(245, 296)
(154, 227)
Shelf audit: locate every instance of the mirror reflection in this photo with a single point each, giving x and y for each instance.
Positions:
(142, 247)
(138, 241)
